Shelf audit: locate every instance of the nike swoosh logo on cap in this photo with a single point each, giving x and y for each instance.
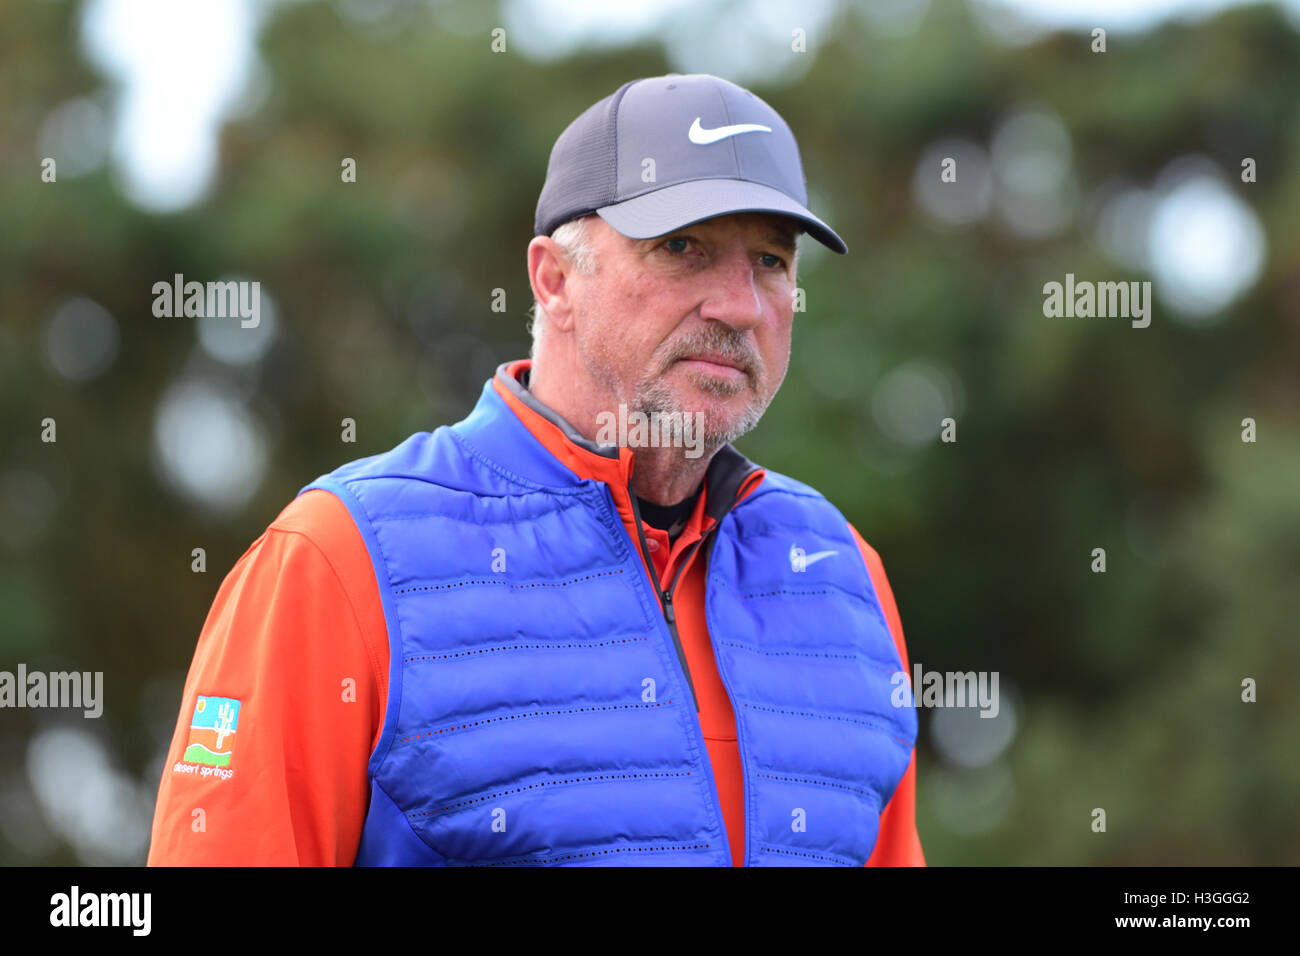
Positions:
(703, 137)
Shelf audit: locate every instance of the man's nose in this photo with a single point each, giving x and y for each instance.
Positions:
(732, 296)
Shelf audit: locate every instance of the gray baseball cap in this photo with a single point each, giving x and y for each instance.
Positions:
(706, 146)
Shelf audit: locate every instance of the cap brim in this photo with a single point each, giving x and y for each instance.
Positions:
(683, 204)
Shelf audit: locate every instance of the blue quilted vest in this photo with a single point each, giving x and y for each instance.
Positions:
(539, 710)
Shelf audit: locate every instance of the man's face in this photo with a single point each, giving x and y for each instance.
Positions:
(697, 320)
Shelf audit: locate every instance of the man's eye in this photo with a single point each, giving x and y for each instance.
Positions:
(680, 244)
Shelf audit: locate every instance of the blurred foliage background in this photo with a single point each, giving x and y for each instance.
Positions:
(1120, 690)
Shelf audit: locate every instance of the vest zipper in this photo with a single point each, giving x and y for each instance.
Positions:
(666, 604)
(666, 597)
(740, 731)
(671, 615)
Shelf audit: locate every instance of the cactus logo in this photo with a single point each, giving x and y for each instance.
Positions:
(212, 731)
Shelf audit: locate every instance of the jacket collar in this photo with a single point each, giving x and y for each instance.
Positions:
(729, 479)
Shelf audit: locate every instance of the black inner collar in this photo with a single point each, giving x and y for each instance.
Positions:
(670, 518)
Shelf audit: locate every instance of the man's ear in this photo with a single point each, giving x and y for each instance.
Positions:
(548, 273)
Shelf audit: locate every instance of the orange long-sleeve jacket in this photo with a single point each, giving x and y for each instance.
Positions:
(297, 627)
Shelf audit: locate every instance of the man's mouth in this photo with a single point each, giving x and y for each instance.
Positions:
(716, 364)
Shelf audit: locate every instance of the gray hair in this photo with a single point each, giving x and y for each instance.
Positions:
(572, 237)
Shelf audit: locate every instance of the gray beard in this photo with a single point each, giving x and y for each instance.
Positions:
(652, 394)
(655, 395)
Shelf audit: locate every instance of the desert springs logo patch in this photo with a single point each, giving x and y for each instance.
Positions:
(212, 731)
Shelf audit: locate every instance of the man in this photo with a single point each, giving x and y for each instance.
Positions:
(549, 634)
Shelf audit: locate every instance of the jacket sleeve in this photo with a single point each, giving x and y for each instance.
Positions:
(898, 843)
(296, 636)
